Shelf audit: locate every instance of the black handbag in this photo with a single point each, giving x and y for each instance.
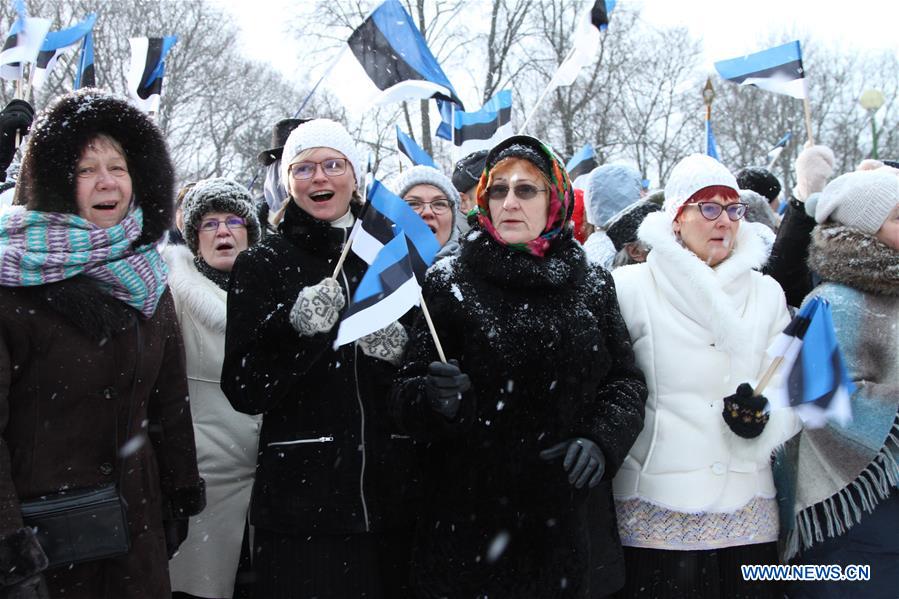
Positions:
(79, 525)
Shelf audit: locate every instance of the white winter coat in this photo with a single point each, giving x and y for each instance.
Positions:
(227, 440)
(698, 333)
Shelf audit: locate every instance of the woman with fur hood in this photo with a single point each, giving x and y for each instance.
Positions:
(538, 411)
(219, 222)
(695, 496)
(840, 485)
(92, 379)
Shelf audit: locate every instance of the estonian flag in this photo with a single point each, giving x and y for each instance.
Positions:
(85, 75)
(413, 152)
(483, 129)
(777, 70)
(774, 152)
(23, 43)
(580, 165)
(392, 283)
(585, 44)
(396, 60)
(147, 70)
(816, 382)
(711, 148)
(55, 45)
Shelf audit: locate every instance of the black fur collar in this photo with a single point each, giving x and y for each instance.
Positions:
(856, 259)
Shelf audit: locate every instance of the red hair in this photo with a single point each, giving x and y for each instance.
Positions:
(709, 193)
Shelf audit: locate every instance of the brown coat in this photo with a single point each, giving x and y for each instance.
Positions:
(64, 403)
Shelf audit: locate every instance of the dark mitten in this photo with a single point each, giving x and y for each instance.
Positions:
(444, 386)
(745, 413)
(175, 533)
(16, 117)
(584, 461)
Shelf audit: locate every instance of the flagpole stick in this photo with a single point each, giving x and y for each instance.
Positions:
(424, 310)
(349, 241)
(808, 120)
(549, 88)
(769, 374)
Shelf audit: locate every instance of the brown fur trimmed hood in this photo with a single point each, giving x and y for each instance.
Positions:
(47, 179)
(848, 256)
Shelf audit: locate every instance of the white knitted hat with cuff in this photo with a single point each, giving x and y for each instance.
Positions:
(692, 174)
(860, 200)
(320, 133)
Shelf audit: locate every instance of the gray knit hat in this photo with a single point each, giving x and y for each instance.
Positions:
(217, 195)
(320, 133)
(861, 200)
(427, 175)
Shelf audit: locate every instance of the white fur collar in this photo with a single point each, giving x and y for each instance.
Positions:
(712, 297)
(200, 296)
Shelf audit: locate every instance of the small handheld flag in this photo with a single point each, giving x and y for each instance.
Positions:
(413, 152)
(85, 77)
(23, 43)
(147, 70)
(580, 165)
(484, 128)
(777, 70)
(774, 153)
(57, 43)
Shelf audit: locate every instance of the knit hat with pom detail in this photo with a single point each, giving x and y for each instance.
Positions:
(320, 133)
(217, 195)
(692, 174)
(860, 200)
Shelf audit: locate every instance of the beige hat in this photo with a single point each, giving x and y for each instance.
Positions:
(861, 200)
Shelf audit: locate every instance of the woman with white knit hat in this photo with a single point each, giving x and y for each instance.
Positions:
(432, 195)
(695, 495)
(840, 484)
(329, 502)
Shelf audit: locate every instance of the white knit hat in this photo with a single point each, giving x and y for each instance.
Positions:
(428, 175)
(861, 200)
(320, 133)
(692, 174)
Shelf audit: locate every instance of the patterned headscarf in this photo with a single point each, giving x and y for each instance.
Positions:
(561, 196)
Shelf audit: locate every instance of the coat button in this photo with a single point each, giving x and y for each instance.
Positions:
(718, 468)
(109, 393)
(105, 468)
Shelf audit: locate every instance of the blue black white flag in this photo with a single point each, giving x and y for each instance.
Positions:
(147, 70)
(774, 152)
(777, 70)
(413, 152)
(585, 44)
(84, 76)
(57, 43)
(483, 129)
(395, 60)
(815, 380)
(392, 283)
(23, 42)
(580, 165)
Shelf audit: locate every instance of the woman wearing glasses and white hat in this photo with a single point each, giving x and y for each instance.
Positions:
(695, 495)
(432, 195)
(328, 503)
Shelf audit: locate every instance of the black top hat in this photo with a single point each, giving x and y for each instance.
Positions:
(280, 133)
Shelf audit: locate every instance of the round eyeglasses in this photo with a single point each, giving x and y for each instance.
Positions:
(523, 191)
(232, 222)
(332, 167)
(437, 206)
(712, 210)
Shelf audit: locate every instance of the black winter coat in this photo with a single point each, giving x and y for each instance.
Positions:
(788, 263)
(353, 474)
(549, 359)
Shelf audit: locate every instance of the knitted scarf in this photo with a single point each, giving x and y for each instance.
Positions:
(45, 247)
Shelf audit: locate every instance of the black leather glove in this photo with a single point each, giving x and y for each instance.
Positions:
(16, 117)
(584, 461)
(745, 413)
(444, 386)
(175, 533)
(34, 587)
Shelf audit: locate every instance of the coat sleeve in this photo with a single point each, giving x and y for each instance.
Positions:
(616, 417)
(265, 356)
(409, 404)
(788, 264)
(169, 414)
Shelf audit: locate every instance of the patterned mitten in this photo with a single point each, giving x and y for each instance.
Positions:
(745, 413)
(317, 308)
(386, 344)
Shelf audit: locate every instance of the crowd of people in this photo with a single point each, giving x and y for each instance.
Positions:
(573, 412)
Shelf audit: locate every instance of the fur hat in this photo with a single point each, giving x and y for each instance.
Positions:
(692, 174)
(217, 195)
(62, 131)
(468, 171)
(860, 200)
(320, 133)
(610, 189)
(760, 180)
(622, 228)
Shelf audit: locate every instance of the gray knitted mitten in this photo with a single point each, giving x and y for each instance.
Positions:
(317, 308)
(385, 344)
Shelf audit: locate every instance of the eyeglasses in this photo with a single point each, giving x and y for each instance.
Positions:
(232, 222)
(522, 191)
(332, 167)
(712, 210)
(437, 206)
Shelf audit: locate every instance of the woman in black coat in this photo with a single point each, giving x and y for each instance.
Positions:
(332, 480)
(538, 412)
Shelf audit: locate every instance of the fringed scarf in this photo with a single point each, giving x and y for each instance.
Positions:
(46, 247)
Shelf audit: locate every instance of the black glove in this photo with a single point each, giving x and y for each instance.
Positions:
(175, 533)
(584, 461)
(16, 117)
(444, 386)
(745, 413)
(34, 587)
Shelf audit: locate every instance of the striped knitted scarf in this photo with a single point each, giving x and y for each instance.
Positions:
(46, 247)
